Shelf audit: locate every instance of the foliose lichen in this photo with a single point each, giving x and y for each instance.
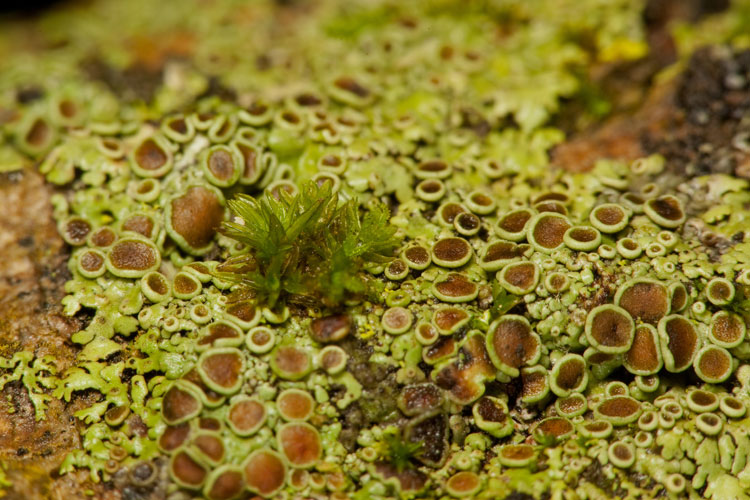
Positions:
(535, 330)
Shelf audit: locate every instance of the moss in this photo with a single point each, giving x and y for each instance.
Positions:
(306, 247)
(399, 452)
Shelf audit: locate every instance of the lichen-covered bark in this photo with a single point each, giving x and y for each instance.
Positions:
(695, 121)
(33, 271)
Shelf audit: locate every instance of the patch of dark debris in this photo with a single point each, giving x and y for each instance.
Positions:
(133, 83)
(709, 131)
(379, 392)
(594, 474)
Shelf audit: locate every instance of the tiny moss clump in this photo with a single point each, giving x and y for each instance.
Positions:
(398, 452)
(308, 247)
